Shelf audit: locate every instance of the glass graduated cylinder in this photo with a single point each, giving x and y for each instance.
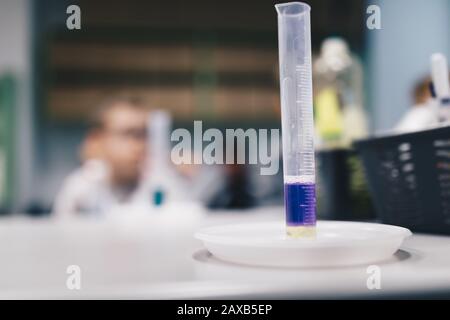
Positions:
(294, 42)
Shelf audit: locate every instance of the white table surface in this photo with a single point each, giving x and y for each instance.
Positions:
(156, 257)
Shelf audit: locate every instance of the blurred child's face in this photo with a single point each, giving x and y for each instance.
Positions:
(124, 143)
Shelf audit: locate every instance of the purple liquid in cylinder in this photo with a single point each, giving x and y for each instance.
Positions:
(300, 204)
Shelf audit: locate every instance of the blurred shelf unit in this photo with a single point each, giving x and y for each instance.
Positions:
(118, 57)
(208, 59)
(76, 103)
(191, 79)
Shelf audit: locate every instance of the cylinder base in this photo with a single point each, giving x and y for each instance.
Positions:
(301, 231)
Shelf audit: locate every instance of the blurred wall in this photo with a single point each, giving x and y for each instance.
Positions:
(399, 53)
(15, 59)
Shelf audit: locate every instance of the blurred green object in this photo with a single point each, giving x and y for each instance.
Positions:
(342, 190)
(7, 102)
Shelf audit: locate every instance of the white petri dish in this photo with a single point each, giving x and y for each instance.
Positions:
(337, 243)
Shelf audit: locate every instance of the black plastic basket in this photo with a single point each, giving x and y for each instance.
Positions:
(409, 178)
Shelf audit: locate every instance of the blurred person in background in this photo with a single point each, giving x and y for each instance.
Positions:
(422, 91)
(115, 167)
(425, 112)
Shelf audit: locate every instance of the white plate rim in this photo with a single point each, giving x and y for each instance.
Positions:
(395, 233)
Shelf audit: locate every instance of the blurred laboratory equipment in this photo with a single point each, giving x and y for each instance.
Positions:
(297, 121)
(159, 126)
(165, 183)
(340, 116)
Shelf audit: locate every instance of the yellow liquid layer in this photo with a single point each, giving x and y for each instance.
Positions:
(301, 232)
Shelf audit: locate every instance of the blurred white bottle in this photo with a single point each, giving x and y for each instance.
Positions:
(159, 125)
(441, 86)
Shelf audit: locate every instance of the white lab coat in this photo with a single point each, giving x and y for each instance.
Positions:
(87, 191)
